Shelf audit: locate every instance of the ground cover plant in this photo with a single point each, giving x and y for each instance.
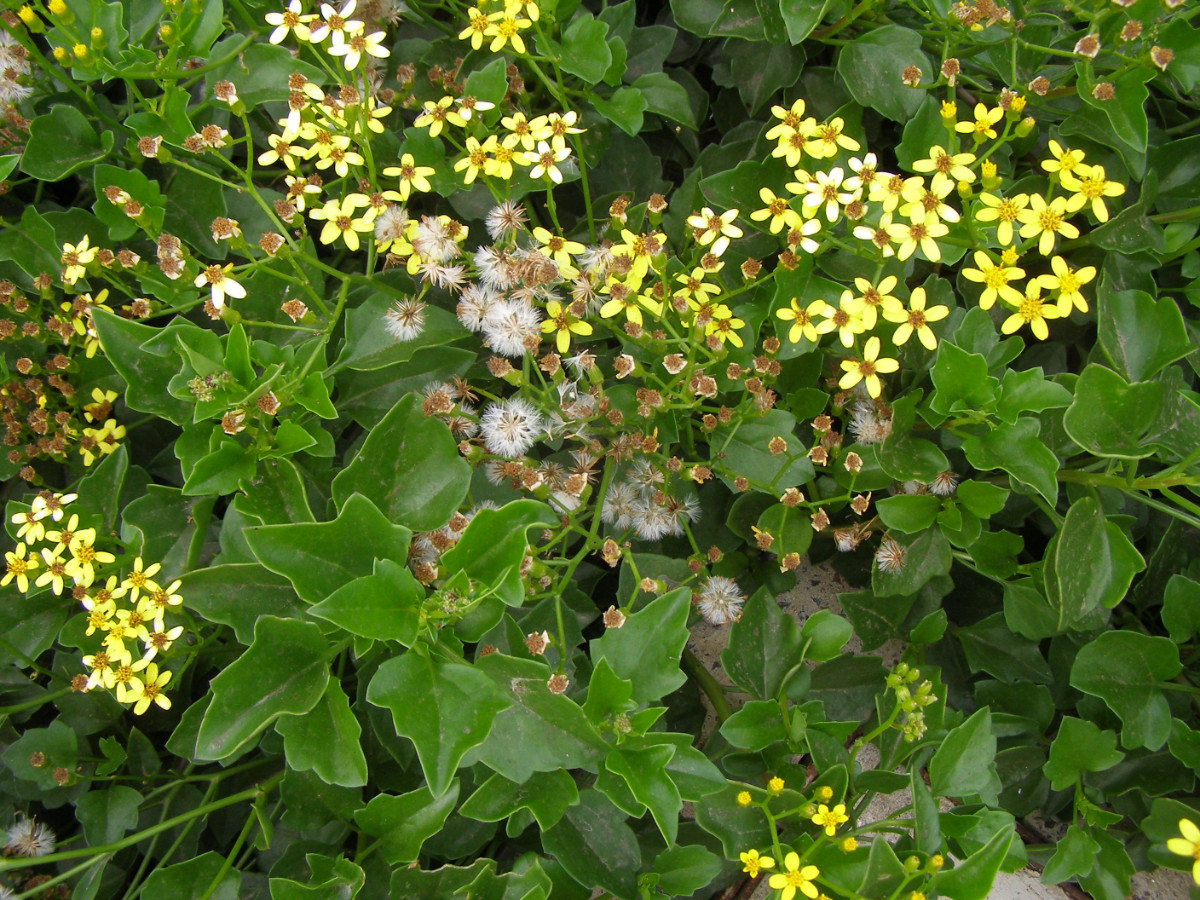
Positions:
(388, 387)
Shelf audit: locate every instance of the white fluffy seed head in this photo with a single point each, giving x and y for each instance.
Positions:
(510, 427)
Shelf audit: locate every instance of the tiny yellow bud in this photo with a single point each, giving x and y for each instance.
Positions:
(775, 785)
(949, 111)
(848, 845)
(964, 189)
(1025, 126)
(825, 792)
(935, 862)
(911, 865)
(166, 34)
(987, 169)
(81, 51)
(57, 7)
(61, 55)
(28, 16)
(1009, 256)
(744, 798)
(1018, 104)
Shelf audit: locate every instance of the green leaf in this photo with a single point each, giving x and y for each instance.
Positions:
(1079, 747)
(982, 498)
(646, 650)
(107, 814)
(1184, 40)
(1028, 391)
(1124, 669)
(369, 347)
(33, 246)
(494, 544)
(137, 186)
(539, 731)
(1018, 451)
(63, 141)
(1141, 335)
(595, 846)
(972, 879)
(261, 72)
(791, 528)
(666, 97)
(411, 463)
(337, 879)
(1109, 416)
(643, 769)
(871, 67)
(403, 823)
(964, 764)
(320, 557)
(221, 471)
(147, 370)
(383, 606)
(1181, 608)
(624, 108)
(927, 825)
(991, 647)
(883, 873)
(684, 870)
(756, 726)
(746, 453)
(585, 48)
(457, 707)
(546, 795)
(238, 594)
(825, 633)
(325, 740)
(759, 71)
(1110, 877)
(1078, 568)
(876, 620)
(1126, 112)
(925, 556)
(285, 671)
(1074, 855)
(194, 879)
(962, 381)
(800, 17)
(736, 827)
(764, 645)
(909, 513)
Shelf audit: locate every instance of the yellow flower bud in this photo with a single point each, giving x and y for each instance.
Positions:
(1025, 126)
(28, 16)
(61, 55)
(949, 111)
(166, 34)
(825, 792)
(744, 798)
(99, 39)
(848, 845)
(775, 785)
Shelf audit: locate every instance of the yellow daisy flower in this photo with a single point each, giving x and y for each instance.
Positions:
(866, 370)
(1092, 188)
(562, 321)
(1033, 312)
(995, 279)
(1067, 282)
(752, 862)
(1048, 220)
(795, 879)
(411, 176)
(17, 566)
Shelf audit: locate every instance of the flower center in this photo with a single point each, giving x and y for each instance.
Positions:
(995, 277)
(1049, 220)
(214, 275)
(1030, 309)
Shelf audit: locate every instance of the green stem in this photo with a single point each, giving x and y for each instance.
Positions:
(705, 681)
(201, 516)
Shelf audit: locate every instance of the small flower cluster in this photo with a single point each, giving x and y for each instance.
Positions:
(910, 702)
(128, 610)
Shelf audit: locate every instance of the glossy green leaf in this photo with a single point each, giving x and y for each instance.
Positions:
(964, 763)
(1079, 747)
(369, 347)
(285, 671)
(1126, 112)
(756, 726)
(1078, 566)
(195, 879)
(746, 453)
(547, 795)
(646, 650)
(683, 870)
(238, 594)
(221, 471)
(825, 633)
(107, 814)
(982, 498)
(990, 647)
(624, 108)
(962, 381)
(972, 879)
(383, 606)
(871, 66)
(643, 770)
(800, 17)
(1075, 854)
(1141, 335)
(1109, 416)
(63, 141)
(146, 369)
(325, 740)
(410, 463)
(1028, 391)
(1110, 877)
(494, 543)
(403, 823)
(764, 646)
(457, 708)
(925, 556)
(908, 513)
(595, 845)
(1017, 450)
(1181, 608)
(539, 731)
(320, 557)
(342, 881)
(585, 48)
(1124, 669)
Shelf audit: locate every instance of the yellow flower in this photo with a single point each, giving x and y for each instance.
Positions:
(867, 371)
(18, 566)
(827, 138)
(1188, 845)
(795, 878)
(217, 278)
(75, 258)
(695, 289)
(629, 302)
(560, 319)
(150, 690)
(505, 28)
(744, 798)
(640, 248)
(752, 862)
(525, 132)
(411, 176)
(916, 319)
(501, 163)
(1064, 160)
(1068, 281)
(846, 319)
(911, 235)
(1004, 211)
(84, 550)
(476, 29)
(1032, 312)
(476, 159)
(560, 250)
(926, 204)
(983, 126)
(725, 325)
(289, 20)
(435, 115)
(32, 526)
(827, 818)
(57, 569)
(803, 320)
(945, 166)
(138, 580)
(340, 221)
(1048, 220)
(792, 121)
(544, 161)
(874, 299)
(848, 844)
(1093, 187)
(710, 228)
(99, 442)
(558, 125)
(995, 279)
(775, 785)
